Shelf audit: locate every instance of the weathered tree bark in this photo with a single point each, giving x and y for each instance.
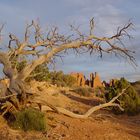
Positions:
(89, 112)
(16, 85)
(46, 58)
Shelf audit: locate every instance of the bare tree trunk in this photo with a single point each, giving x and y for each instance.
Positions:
(46, 58)
(16, 86)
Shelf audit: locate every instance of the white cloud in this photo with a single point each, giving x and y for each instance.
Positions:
(107, 16)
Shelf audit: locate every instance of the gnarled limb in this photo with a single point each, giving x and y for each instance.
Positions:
(58, 43)
(89, 112)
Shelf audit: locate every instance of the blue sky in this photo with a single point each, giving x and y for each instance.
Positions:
(108, 15)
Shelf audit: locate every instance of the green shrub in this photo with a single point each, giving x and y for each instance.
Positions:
(40, 73)
(61, 79)
(99, 92)
(130, 101)
(136, 85)
(83, 91)
(21, 65)
(29, 119)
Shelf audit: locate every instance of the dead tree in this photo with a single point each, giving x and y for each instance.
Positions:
(45, 46)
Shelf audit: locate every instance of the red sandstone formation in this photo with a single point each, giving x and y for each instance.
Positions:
(91, 80)
(79, 78)
(97, 81)
(94, 80)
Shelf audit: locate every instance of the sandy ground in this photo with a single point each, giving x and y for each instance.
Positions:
(96, 128)
(102, 125)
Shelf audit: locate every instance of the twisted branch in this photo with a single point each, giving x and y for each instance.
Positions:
(90, 111)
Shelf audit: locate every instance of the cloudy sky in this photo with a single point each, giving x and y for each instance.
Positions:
(108, 15)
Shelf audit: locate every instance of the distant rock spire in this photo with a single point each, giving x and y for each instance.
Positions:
(97, 81)
(93, 82)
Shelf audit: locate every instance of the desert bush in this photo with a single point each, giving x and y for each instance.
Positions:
(83, 91)
(136, 85)
(61, 79)
(19, 63)
(130, 101)
(69, 80)
(29, 119)
(99, 92)
(40, 73)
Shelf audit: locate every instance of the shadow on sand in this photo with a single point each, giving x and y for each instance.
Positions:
(91, 101)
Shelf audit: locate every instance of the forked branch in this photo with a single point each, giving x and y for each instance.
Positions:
(56, 43)
(111, 103)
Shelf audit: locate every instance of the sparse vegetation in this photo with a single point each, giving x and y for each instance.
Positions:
(130, 101)
(61, 79)
(42, 73)
(136, 85)
(99, 92)
(29, 119)
(84, 91)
